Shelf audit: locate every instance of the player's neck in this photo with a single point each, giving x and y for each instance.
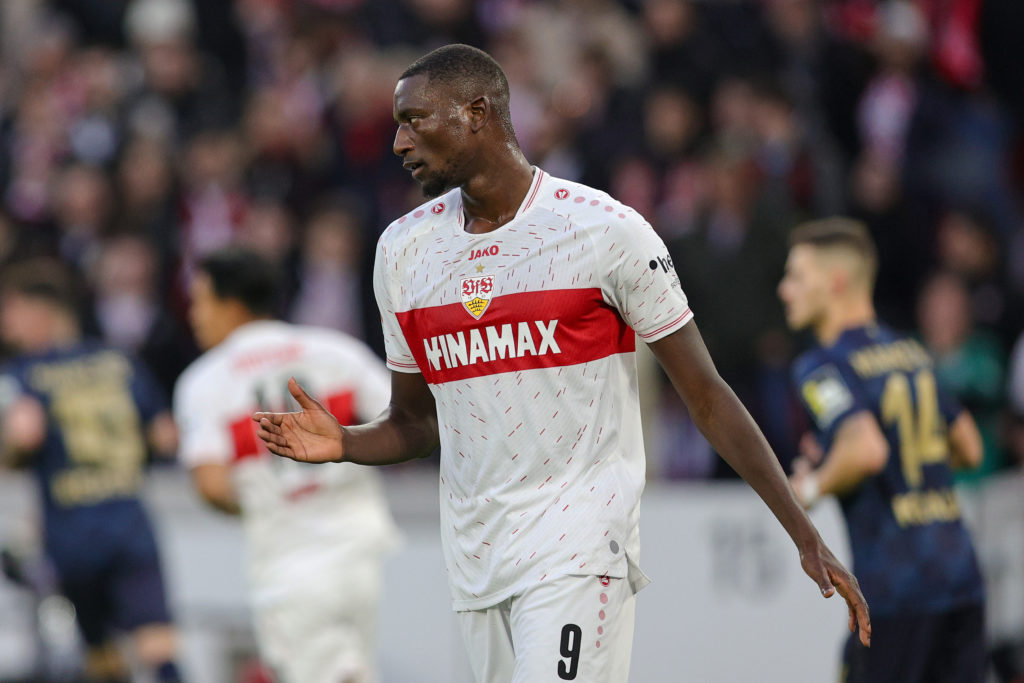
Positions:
(64, 333)
(841, 316)
(492, 196)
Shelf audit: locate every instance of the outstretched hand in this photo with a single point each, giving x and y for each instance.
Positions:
(310, 435)
(831, 576)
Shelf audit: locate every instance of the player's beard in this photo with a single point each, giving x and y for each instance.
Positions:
(445, 178)
(436, 185)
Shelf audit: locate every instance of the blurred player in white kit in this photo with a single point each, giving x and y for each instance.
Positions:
(315, 535)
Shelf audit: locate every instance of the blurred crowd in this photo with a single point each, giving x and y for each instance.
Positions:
(138, 135)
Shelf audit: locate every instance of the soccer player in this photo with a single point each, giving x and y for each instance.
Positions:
(83, 416)
(889, 438)
(315, 535)
(510, 304)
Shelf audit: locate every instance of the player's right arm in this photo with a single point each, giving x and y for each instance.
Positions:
(22, 423)
(406, 430)
(213, 481)
(965, 445)
(858, 451)
(23, 430)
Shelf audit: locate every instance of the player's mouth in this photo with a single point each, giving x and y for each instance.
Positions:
(413, 166)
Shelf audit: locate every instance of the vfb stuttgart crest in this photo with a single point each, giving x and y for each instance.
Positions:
(476, 294)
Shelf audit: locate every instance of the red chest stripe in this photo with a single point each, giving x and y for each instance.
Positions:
(516, 332)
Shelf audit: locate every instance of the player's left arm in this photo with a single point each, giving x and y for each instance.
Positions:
(965, 445)
(730, 429)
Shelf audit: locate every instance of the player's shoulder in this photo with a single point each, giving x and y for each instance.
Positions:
(203, 371)
(812, 360)
(329, 341)
(421, 220)
(587, 205)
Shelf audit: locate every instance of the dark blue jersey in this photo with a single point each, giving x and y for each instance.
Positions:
(911, 553)
(98, 403)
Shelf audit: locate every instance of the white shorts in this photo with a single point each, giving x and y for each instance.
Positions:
(572, 628)
(326, 632)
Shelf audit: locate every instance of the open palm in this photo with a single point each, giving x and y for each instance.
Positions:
(310, 435)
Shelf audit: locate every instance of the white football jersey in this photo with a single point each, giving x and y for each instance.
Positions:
(302, 521)
(525, 336)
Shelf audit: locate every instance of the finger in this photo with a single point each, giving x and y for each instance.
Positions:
(863, 620)
(272, 438)
(274, 418)
(860, 617)
(821, 577)
(272, 427)
(306, 401)
(283, 451)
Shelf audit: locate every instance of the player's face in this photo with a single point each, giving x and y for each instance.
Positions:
(804, 287)
(433, 134)
(26, 323)
(207, 313)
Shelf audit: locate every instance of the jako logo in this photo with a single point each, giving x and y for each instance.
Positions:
(664, 261)
(492, 343)
(488, 251)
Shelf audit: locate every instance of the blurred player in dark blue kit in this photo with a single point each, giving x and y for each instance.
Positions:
(887, 440)
(82, 416)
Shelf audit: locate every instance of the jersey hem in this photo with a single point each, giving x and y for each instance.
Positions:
(475, 604)
(667, 329)
(410, 368)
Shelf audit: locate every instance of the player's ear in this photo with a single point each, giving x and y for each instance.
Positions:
(839, 280)
(479, 111)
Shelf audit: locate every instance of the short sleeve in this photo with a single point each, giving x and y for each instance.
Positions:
(645, 288)
(203, 437)
(399, 357)
(830, 393)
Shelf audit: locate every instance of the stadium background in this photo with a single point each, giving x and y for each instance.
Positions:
(137, 135)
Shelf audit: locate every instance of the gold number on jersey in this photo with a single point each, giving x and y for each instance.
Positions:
(920, 427)
(100, 428)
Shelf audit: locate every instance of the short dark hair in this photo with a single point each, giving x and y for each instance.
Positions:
(44, 279)
(243, 275)
(471, 72)
(838, 232)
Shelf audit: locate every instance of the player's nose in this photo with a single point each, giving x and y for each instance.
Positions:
(403, 142)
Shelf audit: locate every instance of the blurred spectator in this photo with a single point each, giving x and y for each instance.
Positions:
(181, 92)
(213, 199)
(728, 266)
(681, 52)
(147, 189)
(269, 229)
(330, 283)
(887, 105)
(83, 207)
(967, 245)
(129, 312)
(969, 362)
